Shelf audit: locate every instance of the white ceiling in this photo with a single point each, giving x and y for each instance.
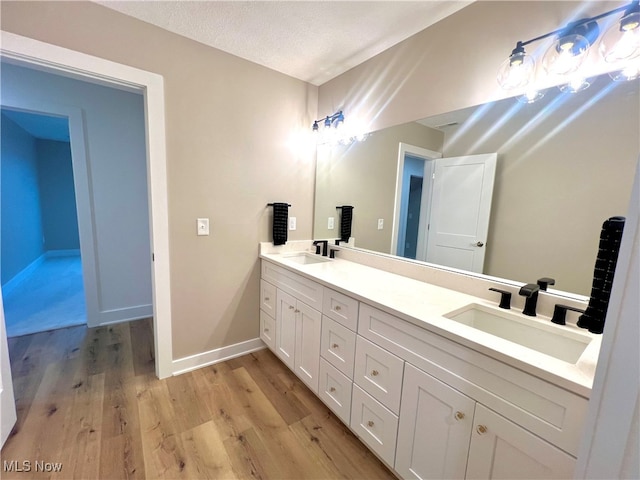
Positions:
(313, 41)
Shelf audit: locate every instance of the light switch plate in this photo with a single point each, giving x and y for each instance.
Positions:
(331, 223)
(203, 226)
(292, 223)
(380, 223)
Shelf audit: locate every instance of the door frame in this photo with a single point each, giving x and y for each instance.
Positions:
(62, 61)
(414, 151)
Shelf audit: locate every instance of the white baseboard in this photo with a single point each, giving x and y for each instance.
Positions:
(63, 253)
(8, 287)
(193, 362)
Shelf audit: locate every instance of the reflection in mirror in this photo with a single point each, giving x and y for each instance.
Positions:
(564, 165)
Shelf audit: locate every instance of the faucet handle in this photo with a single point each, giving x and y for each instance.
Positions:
(529, 289)
(544, 282)
(560, 313)
(505, 298)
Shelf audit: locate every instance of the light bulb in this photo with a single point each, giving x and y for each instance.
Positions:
(516, 71)
(566, 55)
(622, 40)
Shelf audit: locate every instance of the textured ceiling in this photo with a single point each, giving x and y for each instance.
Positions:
(313, 41)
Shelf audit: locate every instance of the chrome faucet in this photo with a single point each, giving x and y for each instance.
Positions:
(530, 291)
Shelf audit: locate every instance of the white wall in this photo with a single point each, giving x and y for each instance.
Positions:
(115, 137)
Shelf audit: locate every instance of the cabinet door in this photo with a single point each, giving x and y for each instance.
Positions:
(268, 330)
(285, 328)
(502, 449)
(307, 348)
(434, 430)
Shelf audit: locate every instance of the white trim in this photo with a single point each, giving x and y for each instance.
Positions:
(403, 149)
(72, 252)
(610, 428)
(199, 360)
(118, 315)
(24, 50)
(19, 277)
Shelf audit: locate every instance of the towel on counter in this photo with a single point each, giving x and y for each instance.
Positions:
(280, 221)
(345, 222)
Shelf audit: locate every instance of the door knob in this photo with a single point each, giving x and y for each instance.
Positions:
(480, 244)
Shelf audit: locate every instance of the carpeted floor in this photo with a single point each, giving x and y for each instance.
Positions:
(51, 297)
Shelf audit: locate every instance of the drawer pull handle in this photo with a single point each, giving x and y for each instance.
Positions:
(481, 429)
(374, 373)
(335, 345)
(291, 307)
(332, 389)
(266, 299)
(370, 423)
(338, 308)
(266, 330)
(297, 311)
(459, 415)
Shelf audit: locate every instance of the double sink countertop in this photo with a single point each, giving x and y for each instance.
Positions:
(425, 305)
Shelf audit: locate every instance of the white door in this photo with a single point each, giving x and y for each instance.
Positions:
(502, 449)
(7, 402)
(307, 352)
(460, 209)
(434, 430)
(285, 328)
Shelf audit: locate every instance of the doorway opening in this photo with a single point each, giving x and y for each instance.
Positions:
(41, 268)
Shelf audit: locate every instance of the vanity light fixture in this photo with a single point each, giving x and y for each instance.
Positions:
(570, 47)
(329, 121)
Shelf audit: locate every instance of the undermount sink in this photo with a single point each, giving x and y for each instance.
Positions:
(304, 258)
(555, 341)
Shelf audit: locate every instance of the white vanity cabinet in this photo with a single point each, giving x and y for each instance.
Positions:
(443, 434)
(295, 337)
(428, 406)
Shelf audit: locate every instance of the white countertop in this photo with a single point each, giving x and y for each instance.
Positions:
(424, 305)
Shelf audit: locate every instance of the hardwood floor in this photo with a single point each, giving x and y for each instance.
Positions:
(88, 399)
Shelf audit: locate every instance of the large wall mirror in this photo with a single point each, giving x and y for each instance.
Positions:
(564, 165)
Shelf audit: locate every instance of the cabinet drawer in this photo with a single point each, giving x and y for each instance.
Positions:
(335, 391)
(300, 287)
(338, 346)
(268, 298)
(376, 425)
(379, 373)
(340, 308)
(268, 330)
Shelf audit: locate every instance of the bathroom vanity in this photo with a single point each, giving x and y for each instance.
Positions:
(420, 372)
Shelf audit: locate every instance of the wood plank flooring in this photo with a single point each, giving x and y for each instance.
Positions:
(88, 399)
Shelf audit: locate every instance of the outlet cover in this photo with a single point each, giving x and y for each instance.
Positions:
(380, 223)
(203, 226)
(331, 223)
(292, 223)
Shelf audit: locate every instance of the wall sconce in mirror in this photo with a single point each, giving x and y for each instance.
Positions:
(619, 46)
(333, 130)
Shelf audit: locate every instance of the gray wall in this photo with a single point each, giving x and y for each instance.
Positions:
(20, 213)
(57, 195)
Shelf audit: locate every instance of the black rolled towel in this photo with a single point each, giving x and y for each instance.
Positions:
(280, 221)
(345, 222)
